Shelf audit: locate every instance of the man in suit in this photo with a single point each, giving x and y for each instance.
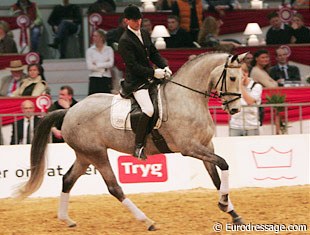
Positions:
(23, 129)
(282, 72)
(137, 50)
(11, 82)
(178, 36)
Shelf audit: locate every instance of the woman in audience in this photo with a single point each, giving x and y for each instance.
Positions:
(259, 72)
(301, 33)
(209, 32)
(7, 43)
(33, 85)
(100, 60)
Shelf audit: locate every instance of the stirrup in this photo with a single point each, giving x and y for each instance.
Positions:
(139, 153)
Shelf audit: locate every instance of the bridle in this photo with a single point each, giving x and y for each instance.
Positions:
(223, 91)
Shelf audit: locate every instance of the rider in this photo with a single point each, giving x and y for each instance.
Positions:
(137, 50)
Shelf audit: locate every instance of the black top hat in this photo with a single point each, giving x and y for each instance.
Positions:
(132, 12)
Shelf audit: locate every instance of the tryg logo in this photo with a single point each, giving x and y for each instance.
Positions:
(132, 170)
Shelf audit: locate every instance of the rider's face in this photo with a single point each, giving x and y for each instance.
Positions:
(134, 24)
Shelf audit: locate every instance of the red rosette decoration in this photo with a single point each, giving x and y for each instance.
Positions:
(43, 102)
(286, 13)
(287, 49)
(32, 58)
(94, 19)
(23, 23)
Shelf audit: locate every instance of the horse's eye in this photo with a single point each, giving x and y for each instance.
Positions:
(233, 79)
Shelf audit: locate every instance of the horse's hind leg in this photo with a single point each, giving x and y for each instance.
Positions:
(227, 206)
(103, 165)
(68, 180)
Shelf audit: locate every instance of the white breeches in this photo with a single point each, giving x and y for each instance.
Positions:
(143, 98)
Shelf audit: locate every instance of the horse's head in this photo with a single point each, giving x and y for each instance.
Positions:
(226, 80)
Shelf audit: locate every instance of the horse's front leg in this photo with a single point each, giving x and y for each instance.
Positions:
(210, 161)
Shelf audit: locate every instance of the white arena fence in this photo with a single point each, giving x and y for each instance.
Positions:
(256, 161)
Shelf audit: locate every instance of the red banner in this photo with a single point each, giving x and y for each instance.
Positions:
(12, 105)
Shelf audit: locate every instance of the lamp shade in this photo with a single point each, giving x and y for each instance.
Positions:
(160, 31)
(252, 28)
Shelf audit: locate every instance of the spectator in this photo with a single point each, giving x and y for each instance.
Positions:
(259, 72)
(220, 6)
(33, 85)
(147, 25)
(209, 32)
(190, 13)
(284, 73)
(23, 129)
(65, 101)
(246, 122)
(300, 31)
(248, 60)
(114, 35)
(178, 36)
(102, 6)
(11, 82)
(7, 43)
(65, 20)
(278, 33)
(99, 60)
(26, 7)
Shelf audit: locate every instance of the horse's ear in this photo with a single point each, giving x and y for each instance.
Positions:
(233, 58)
(242, 56)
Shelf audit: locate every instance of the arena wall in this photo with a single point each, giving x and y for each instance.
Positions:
(259, 161)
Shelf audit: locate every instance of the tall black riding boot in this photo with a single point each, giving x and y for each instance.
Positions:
(140, 137)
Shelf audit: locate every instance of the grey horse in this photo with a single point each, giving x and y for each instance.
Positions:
(188, 129)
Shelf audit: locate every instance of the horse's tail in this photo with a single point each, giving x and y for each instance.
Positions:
(37, 154)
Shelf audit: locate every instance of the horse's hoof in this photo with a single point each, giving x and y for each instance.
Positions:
(70, 223)
(151, 228)
(238, 220)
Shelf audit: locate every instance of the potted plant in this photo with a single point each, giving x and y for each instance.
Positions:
(280, 123)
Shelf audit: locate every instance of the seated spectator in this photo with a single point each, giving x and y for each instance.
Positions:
(278, 33)
(33, 85)
(7, 43)
(26, 7)
(246, 122)
(178, 37)
(102, 6)
(147, 25)
(99, 60)
(284, 73)
(113, 35)
(220, 6)
(190, 14)
(259, 71)
(208, 35)
(65, 101)
(65, 20)
(11, 82)
(23, 129)
(300, 31)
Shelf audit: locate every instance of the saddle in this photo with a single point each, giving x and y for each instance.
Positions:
(125, 114)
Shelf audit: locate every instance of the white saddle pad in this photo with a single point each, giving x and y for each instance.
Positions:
(120, 108)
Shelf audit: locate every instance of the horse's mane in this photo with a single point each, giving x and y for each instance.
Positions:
(199, 57)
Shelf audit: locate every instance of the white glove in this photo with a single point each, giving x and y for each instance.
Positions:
(168, 72)
(159, 73)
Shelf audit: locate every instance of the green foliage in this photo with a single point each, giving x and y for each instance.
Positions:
(276, 98)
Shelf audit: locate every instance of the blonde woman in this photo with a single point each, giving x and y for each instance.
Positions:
(33, 85)
(99, 60)
(209, 32)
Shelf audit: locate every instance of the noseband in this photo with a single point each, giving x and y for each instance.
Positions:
(223, 92)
